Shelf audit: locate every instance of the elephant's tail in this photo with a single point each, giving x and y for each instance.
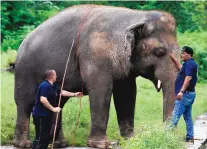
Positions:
(11, 67)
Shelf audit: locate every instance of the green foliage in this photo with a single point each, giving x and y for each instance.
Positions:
(12, 40)
(190, 15)
(149, 129)
(201, 58)
(154, 136)
(20, 17)
(197, 41)
(8, 111)
(14, 15)
(8, 57)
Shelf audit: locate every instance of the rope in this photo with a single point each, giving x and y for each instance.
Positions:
(57, 115)
(80, 29)
(77, 122)
(78, 41)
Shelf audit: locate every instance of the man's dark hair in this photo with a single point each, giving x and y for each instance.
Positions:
(188, 50)
(49, 73)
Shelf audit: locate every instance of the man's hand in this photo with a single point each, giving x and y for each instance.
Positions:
(179, 95)
(78, 94)
(56, 109)
(173, 57)
(71, 94)
(46, 103)
(177, 63)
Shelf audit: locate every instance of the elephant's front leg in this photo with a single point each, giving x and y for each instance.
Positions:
(100, 91)
(124, 93)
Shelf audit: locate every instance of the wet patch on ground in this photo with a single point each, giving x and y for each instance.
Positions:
(200, 133)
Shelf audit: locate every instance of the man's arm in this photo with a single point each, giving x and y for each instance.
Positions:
(177, 63)
(45, 102)
(185, 85)
(70, 94)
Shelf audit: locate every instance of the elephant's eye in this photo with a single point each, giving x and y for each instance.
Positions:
(159, 52)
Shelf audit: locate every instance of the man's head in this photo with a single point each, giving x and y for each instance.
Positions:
(50, 75)
(186, 53)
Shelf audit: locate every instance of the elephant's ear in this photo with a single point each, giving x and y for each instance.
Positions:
(137, 31)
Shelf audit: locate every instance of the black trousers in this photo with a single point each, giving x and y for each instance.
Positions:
(42, 127)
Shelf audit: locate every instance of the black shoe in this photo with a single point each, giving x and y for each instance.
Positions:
(190, 140)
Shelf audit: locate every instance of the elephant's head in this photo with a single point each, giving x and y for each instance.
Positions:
(151, 41)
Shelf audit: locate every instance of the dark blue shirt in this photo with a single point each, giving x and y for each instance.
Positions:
(49, 91)
(189, 68)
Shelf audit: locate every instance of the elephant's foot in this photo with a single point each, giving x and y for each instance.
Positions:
(60, 143)
(127, 135)
(99, 142)
(22, 143)
(126, 129)
(21, 134)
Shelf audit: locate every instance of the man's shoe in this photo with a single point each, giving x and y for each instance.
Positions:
(190, 140)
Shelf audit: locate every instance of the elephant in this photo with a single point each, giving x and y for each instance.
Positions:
(112, 46)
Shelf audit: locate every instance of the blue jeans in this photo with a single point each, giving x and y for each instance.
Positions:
(184, 107)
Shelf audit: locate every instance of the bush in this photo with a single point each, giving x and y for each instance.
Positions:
(201, 59)
(154, 136)
(13, 40)
(197, 41)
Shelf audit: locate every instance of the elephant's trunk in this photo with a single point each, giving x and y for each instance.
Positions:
(168, 99)
(168, 88)
(168, 85)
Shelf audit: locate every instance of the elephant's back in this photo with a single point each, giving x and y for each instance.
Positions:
(50, 30)
(64, 26)
(50, 41)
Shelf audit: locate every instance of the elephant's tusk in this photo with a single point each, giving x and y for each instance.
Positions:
(159, 84)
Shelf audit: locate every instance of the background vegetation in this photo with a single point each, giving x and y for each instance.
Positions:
(18, 18)
(150, 132)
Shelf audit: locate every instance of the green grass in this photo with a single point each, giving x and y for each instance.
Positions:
(149, 129)
(7, 57)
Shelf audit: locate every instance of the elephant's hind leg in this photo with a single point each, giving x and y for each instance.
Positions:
(25, 98)
(124, 93)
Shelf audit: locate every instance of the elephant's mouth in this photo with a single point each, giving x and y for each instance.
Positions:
(158, 84)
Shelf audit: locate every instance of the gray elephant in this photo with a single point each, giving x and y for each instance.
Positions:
(112, 47)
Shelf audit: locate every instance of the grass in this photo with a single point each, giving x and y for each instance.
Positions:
(149, 129)
(8, 57)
